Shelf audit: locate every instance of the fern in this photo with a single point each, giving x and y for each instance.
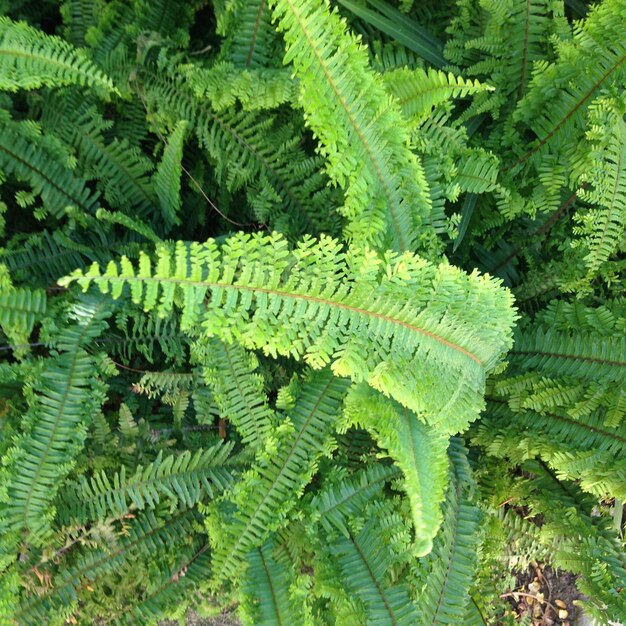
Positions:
(364, 562)
(54, 428)
(418, 450)
(238, 391)
(167, 178)
(254, 267)
(267, 491)
(31, 59)
(183, 479)
(268, 599)
(386, 196)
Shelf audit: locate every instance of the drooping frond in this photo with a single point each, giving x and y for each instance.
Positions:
(322, 304)
(419, 450)
(449, 568)
(182, 479)
(284, 466)
(30, 59)
(361, 132)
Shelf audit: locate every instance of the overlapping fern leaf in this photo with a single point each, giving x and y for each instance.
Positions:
(387, 200)
(308, 304)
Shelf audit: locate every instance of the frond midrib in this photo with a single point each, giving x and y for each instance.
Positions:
(308, 298)
(379, 174)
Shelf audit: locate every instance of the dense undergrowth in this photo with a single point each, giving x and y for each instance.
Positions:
(316, 309)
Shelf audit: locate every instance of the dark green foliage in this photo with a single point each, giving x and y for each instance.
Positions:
(251, 355)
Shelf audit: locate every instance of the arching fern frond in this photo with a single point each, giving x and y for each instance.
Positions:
(361, 133)
(412, 330)
(419, 450)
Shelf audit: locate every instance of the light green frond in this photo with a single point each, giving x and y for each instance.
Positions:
(419, 450)
(444, 328)
(418, 91)
(361, 133)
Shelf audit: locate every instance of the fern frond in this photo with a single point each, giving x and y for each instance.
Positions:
(147, 534)
(597, 56)
(169, 171)
(587, 356)
(268, 598)
(250, 34)
(420, 451)
(271, 488)
(361, 132)
(354, 309)
(19, 310)
(450, 566)
(365, 562)
(67, 394)
(256, 151)
(173, 590)
(602, 228)
(345, 497)
(30, 59)
(183, 479)
(418, 91)
(225, 85)
(27, 155)
(238, 391)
